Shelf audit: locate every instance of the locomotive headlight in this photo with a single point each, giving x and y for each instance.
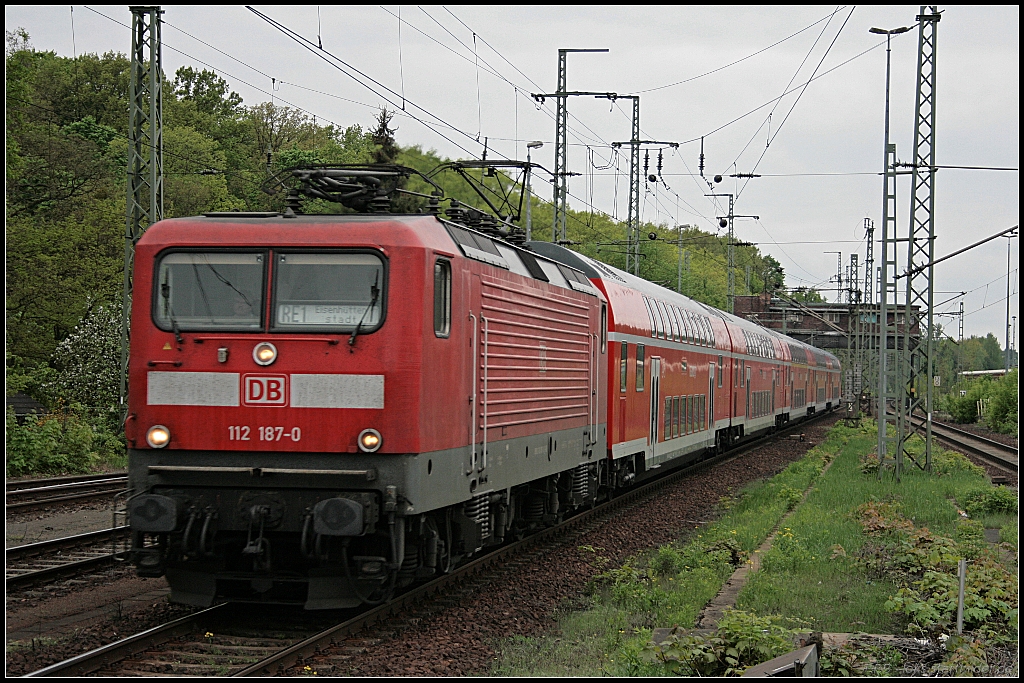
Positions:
(369, 440)
(158, 436)
(264, 353)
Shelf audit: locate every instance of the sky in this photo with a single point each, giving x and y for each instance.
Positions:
(465, 75)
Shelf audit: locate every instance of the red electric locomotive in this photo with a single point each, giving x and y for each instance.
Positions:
(326, 407)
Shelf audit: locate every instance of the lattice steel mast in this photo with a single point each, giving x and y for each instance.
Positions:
(867, 327)
(145, 204)
(561, 180)
(919, 351)
(633, 216)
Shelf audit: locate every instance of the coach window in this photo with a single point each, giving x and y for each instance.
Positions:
(442, 297)
(659, 330)
(639, 367)
(667, 434)
(720, 366)
(679, 324)
(666, 332)
(650, 314)
(622, 366)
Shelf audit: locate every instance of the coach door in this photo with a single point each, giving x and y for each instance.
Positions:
(747, 378)
(655, 399)
(709, 418)
(775, 378)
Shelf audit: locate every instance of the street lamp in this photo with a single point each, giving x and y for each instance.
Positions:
(883, 309)
(536, 144)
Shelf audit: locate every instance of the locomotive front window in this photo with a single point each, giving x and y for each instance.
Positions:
(338, 292)
(209, 291)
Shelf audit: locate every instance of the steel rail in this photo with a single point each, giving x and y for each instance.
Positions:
(70, 486)
(105, 655)
(995, 453)
(977, 437)
(20, 552)
(24, 499)
(88, 662)
(20, 579)
(68, 479)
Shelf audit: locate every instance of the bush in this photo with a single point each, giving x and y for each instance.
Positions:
(964, 409)
(89, 360)
(1002, 415)
(58, 443)
(990, 501)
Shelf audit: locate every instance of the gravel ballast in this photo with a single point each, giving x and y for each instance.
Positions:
(456, 634)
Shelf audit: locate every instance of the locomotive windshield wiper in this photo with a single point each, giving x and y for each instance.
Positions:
(165, 294)
(374, 293)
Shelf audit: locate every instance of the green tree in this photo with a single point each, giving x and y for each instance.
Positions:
(807, 295)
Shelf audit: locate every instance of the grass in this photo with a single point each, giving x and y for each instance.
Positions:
(665, 587)
(811, 574)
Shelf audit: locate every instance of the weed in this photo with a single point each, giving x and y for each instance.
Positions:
(966, 658)
(844, 661)
(667, 561)
(950, 462)
(742, 640)
(987, 501)
(869, 463)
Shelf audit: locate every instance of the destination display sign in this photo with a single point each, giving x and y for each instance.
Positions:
(325, 314)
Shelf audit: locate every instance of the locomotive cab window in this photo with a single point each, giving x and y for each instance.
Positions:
(209, 291)
(442, 297)
(328, 292)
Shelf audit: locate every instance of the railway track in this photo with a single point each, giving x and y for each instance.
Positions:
(33, 494)
(231, 639)
(993, 452)
(63, 557)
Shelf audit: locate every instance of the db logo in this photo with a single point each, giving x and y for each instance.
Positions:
(265, 390)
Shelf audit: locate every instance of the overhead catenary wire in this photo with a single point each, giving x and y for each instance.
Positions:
(269, 93)
(797, 101)
(425, 123)
(441, 123)
(742, 59)
(790, 83)
(350, 71)
(489, 68)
